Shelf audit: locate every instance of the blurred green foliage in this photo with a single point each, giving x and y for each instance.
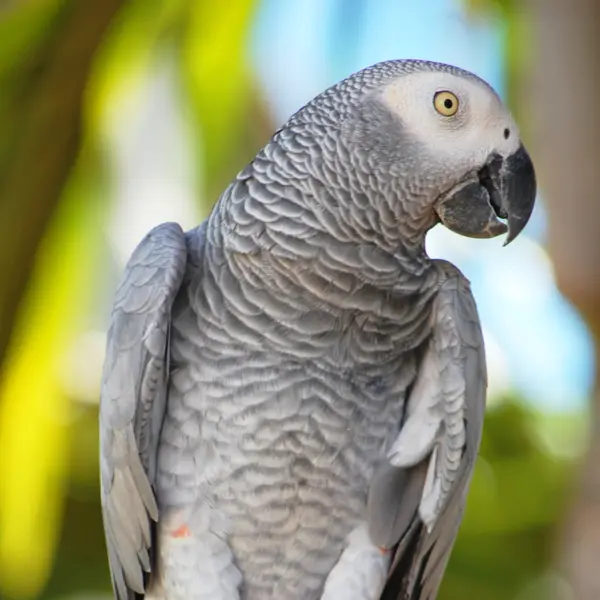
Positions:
(51, 541)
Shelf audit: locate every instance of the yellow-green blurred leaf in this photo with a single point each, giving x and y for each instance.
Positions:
(218, 78)
(128, 51)
(34, 411)
(40, 124)
(21, 30)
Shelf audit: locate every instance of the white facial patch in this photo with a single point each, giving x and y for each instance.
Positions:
(480, 127)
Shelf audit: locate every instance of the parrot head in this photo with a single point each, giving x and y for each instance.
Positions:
(447, 137)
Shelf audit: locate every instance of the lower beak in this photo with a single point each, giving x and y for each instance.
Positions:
(504, 189)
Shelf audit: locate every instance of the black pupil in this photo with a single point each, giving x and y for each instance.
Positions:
(506, 134)
(448, 103)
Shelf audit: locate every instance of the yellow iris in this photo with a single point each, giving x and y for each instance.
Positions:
(446, 103)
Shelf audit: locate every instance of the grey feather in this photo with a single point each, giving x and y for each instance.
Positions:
(133, 397)
(456, 340)
(297, 367)
(394, 497)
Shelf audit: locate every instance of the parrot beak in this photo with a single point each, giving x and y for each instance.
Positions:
(504, 189)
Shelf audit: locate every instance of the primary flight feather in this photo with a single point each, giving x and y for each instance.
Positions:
(293, 393)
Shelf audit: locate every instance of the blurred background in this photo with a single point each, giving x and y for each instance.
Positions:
(121, 114)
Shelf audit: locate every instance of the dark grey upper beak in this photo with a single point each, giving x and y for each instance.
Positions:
(504, 189)
(513, 189)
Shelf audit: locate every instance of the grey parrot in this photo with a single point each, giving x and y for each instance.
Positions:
(293, 392)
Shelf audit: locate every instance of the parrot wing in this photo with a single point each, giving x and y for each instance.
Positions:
(417, 501)
(132, 402)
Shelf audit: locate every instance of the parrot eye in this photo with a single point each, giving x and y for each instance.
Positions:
(446, 103)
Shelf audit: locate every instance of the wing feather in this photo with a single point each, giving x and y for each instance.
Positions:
(132, 403)
(442, 433)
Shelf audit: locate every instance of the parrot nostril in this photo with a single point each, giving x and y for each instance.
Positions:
(506, 133)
